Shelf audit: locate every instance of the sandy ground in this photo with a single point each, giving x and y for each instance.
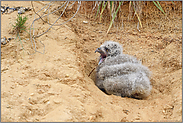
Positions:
(55, 86)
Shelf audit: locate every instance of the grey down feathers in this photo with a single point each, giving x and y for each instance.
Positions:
(121, 74)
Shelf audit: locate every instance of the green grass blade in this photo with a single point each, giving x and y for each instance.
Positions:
(98, 9)
(173, 2)
(159, 6)
(103, 4)
(114, 16)
(103, 7)
(111, 3)
(20, 41)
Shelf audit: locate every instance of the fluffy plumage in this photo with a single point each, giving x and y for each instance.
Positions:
(121, 74)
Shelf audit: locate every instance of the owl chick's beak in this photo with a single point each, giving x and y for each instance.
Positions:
(103, 54)
(98, 50)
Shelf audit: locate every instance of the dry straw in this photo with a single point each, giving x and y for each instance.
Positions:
(113, 7)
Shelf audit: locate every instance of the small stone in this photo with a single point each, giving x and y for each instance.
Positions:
(126, 111)
(37, 119)
(3, 41)
(137, 118)
(91, 118)
(46, 101)
(51, 93)
(8, 106)
(85, 22)
(57, 101)
(10, 11)
(32, 94)
(21, 11)
(67, 75)
(4, 69)
(41, 91)
(20, 94)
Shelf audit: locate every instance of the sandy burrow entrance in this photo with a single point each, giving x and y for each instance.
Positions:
(56, 87)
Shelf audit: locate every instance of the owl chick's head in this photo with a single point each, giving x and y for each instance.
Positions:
(109, 49)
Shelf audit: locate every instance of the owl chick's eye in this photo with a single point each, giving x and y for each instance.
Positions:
(106, 49)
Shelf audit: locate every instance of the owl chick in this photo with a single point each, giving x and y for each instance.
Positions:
(121, 74)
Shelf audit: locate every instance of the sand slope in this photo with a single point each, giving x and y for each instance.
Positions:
(55, 87)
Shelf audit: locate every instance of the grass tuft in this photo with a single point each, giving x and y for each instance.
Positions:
(19, 27)
(114, 7)
(114, 16)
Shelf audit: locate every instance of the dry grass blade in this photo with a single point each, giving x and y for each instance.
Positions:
(33, 37)
(136, 14)
(91, 72)
(98, 9)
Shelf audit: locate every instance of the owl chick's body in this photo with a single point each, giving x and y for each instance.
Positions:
(121, 74)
